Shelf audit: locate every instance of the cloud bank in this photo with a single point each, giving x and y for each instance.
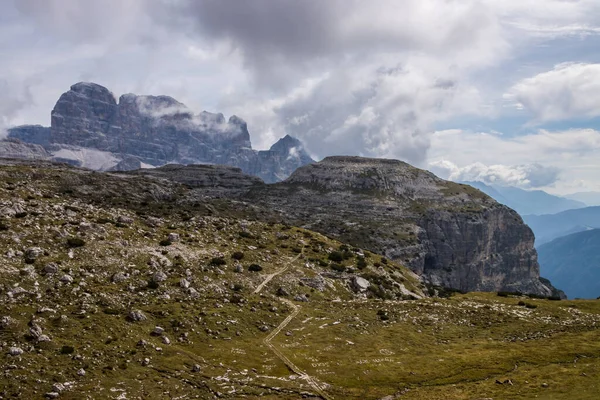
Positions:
(526, 176)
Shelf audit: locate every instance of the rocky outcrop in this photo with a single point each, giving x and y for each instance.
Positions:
(14, 148)
(35, 134)
(450, 234)
(156, 130)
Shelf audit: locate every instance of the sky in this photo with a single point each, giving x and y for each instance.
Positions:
(500, 91)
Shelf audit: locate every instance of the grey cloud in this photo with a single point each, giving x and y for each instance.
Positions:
(281, 39)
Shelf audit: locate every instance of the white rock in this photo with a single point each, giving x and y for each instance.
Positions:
(15, 351)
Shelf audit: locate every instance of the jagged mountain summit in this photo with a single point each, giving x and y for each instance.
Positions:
(90, 128)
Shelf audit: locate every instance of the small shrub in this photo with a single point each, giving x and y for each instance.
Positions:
(21, 214)
(238, 255)
(338, 267)
(323, 263)
(361, 263)
(67, 350)
(506, 294)
(75, 242)
(246, 235)
(336, 256)
(216, 261)
(255, 268)
(530, 306)
(521, 303)
(165, 242)
(152, 284)
(238, 287)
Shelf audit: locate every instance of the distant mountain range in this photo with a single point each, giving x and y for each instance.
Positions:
(525, 202)
(589, 198)
(572, 263)
(549, 227)
(91, 129)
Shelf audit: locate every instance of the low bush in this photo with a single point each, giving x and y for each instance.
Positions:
(75, 242)
(255, 268)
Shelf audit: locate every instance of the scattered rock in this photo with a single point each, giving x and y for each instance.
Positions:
(359, 284)
(67, 279)
(118, 277)
(173, 237)
(32, 254)
(125, 220)
(196, 368)
(15, 351)
(81, 372)
(184, 283)
(282, 292)
(301, 297)
(50, 268)
(159, 277)
(136, 316)
(158, 331)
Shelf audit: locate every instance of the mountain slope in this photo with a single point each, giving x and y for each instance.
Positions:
(88, 121)
(137, 285)
(573, 263)
(526, 202)
(451, 234)
(549, 227)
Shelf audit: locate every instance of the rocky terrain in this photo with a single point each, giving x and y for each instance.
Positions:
(90, 128)
(170, 283)
(451, 234)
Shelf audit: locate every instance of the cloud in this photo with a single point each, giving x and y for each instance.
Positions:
(566, 156)
(12, 100)
(570, 90)
(524, 176)
(286, 40)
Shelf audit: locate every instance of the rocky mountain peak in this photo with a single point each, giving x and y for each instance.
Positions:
(93, 91)
(142, 130)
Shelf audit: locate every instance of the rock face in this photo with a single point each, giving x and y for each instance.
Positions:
(35, 134)
(450, 234)
(14, 148)
(154, 130)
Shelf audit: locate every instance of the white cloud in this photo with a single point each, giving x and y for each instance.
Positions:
(570, 90)
(575, 153)
(524, 176)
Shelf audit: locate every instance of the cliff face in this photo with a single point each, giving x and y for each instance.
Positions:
(450, 234)
(15, 148)
(155, 130)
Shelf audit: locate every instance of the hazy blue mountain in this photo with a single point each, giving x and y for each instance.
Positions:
(589, 198)
(572, 263)
(549, 227)
(535, 202)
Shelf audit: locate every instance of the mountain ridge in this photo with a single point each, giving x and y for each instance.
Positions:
(156, 130)
(527, 202)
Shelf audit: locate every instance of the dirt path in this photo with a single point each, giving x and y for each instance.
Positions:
(273, 275)
(295, 310)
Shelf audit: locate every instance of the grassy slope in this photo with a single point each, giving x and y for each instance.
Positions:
(359, 348)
